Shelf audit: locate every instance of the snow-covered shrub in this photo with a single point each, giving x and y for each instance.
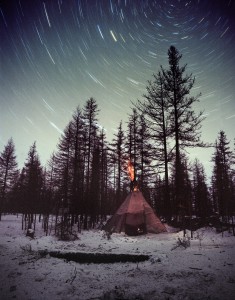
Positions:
(30, 232)
(107, 235)
(27, 248)
(184, 242)
(65, 232)
(199, 236)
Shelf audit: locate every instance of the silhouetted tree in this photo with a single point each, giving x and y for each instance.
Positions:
(233, 180)
(8, 172)
(95, 187)
(104, 173)
(68, 175)
(155, 108)
(120, 160)
(185, 207)
(185, 124)
(201, 201)
(62, 170)
(77, 164)
(159, 197)
(144, 147)
(91, 129)
(221, 179)
(32, 184)
(51, 183)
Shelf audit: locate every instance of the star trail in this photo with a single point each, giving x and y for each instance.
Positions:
(57, 54)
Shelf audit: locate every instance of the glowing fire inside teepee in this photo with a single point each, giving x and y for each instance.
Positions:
(131, 170)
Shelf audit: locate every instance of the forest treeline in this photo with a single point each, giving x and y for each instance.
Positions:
(86, 177)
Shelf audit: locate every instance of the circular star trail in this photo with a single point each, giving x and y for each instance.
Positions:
(57, 54)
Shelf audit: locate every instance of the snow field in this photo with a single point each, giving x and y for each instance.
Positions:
(205, 270)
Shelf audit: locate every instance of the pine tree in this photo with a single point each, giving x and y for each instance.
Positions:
(201, 201)
(32, 185)
(185, 207)
(19, 193)
(62, 170)
(233, 179)
(8, 173)
(95, 186)
(104, 173)
(90, 114)
(221, 180)
(185, 124)
(77, 164)
(158, 196)
(51, 182)
(119, 159)
(144, 153)
(155, 108)
(90, 119)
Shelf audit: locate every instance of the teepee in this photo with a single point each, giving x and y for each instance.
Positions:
(135, 216)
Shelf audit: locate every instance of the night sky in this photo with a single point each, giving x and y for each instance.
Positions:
(57, 54)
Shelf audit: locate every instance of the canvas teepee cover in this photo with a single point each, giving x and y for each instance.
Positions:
(135, 216)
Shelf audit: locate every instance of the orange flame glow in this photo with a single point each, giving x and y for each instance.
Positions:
(131, 171)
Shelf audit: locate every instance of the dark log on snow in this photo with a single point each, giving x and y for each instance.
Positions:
(193, 268)
(95, 258)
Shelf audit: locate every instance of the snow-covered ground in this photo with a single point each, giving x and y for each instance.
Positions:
(205, 270)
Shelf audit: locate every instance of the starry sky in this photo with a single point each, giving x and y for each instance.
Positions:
(57, 54)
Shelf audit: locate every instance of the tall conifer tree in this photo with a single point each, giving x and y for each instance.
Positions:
(221, 179)
(185, 124)
(8, 172)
